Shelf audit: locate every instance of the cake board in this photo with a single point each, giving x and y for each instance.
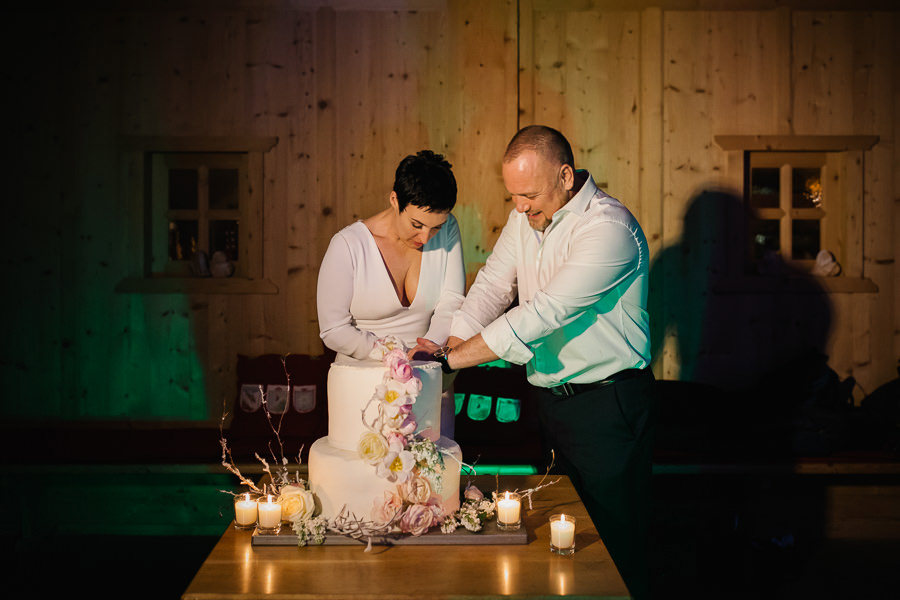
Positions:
(490, 535)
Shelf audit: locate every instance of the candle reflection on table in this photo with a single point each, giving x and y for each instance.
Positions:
(270, 578)
(562, 575)
(246, 570)
(507, 576)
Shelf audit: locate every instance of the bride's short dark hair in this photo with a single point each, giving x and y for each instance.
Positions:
(425, 179)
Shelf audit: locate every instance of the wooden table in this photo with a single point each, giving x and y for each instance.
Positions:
(235, 569)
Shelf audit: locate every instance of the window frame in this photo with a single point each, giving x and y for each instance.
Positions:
(146, 218)
(785, 213)
(843, 222)
(162, 214)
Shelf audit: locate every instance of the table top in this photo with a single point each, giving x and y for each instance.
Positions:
(235, 569)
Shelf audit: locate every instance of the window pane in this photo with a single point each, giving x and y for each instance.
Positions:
(182, 239)
(806, 188)
(765, 237)
(805, 239)
(183, 189)
(223, 235)
(223, 189)
(764, 185)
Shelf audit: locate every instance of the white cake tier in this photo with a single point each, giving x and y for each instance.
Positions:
(351, 385)
(339, 478)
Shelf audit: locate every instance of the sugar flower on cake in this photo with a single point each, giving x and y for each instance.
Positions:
(395, 441)
(393, 396)
(297, 503)
(417, 519)
(388, 508)
(396, 466)
(373, 447)
(416, 490)
(385, 345)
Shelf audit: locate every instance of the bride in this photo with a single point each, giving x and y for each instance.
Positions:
(399, 272)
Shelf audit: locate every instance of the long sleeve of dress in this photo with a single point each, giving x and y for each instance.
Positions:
(453, 287)
(334, 292)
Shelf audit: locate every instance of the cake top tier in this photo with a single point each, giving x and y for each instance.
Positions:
(351, 386)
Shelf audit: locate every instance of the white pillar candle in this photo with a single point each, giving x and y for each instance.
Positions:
(562, 532)
(245, 510)
(269, 513)
(508, 508)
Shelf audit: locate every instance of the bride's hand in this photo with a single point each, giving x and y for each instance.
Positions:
(424, 350)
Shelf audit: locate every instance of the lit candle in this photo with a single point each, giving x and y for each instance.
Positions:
(269, 513)
(562, 532)
(245, 511)
(508, 510)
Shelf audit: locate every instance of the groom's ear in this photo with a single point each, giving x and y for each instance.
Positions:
(567, 177)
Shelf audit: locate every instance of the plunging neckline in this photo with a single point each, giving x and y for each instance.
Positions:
(387, 271)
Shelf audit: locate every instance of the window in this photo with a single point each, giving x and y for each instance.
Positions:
(194, 201)
(787, 205)
(199, 204)
(802, 194)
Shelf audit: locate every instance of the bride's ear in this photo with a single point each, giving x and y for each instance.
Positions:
(394, 202)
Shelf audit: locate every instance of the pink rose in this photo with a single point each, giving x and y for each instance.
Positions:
(402, 372)
(409, 425)
(413, 385)
(396, 442)
(393, 358)
(387, 509)
(417, 519)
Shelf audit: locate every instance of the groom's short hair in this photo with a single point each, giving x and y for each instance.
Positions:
(425, 179)
(545, 141)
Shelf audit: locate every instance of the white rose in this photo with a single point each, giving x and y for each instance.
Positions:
(296, 503)
(372, 447)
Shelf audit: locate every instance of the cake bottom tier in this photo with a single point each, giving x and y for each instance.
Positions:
(339, 479)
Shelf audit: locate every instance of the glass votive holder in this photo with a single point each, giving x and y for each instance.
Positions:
(269, 517)
(562, 534)
(245, 510)
(509, 511)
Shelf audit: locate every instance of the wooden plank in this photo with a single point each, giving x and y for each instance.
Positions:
(789, 143)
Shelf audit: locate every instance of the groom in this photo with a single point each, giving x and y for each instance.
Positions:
(578, 261)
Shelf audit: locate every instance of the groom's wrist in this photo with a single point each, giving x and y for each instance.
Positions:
(443, 356)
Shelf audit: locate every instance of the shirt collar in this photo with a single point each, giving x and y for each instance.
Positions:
(580, 201)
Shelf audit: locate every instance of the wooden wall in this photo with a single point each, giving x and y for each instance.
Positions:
(641, 91)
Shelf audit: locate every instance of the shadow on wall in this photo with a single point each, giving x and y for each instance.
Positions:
(752, 376)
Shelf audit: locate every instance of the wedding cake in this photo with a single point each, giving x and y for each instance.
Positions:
(384, 460)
